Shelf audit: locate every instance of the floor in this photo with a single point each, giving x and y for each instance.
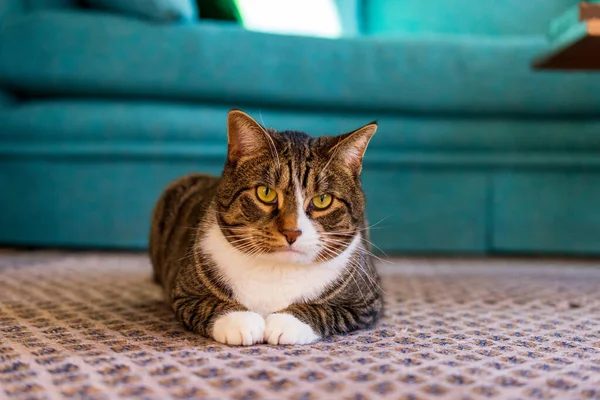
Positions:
(94, 326)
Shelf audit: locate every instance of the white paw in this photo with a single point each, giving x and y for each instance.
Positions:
(239, 328)
(287, 329)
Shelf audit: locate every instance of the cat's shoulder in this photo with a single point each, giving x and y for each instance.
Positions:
(195, 189)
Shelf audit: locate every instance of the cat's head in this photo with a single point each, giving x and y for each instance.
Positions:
(286, 196)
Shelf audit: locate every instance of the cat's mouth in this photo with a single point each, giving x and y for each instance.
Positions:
(290, 255)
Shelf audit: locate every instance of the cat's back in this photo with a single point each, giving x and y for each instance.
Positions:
(177, 213)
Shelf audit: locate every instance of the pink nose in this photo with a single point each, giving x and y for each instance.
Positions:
(291, 236)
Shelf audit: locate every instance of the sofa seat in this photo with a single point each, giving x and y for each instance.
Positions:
(91, 54)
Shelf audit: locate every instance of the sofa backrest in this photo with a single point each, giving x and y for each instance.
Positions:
(31, 5)
(8, 7)
(349, 13)
(478, 17)
(11, 7)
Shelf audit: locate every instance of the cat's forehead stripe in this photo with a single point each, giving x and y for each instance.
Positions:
(290, 171)
(305, 178)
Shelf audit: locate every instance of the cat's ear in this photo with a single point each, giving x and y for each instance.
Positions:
(245, 136)
(350, 148)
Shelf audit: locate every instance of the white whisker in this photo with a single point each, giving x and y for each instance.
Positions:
(244, 239)
(238, 229)
(273, 148)
(362, 270)
(326, 234)
(331, 251)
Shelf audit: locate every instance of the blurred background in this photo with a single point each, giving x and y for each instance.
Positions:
(103, 102)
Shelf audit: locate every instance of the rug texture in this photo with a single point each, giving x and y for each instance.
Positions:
(94, 326)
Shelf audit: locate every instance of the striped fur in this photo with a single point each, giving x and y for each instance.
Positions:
(201, 222)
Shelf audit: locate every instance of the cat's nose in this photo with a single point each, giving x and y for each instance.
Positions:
(291, 236)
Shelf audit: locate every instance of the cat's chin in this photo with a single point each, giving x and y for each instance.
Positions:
(289, 257)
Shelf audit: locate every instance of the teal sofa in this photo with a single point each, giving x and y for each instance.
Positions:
(475, 154)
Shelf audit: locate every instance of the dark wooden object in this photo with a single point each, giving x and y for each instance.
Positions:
(588, 11)
(583, 53)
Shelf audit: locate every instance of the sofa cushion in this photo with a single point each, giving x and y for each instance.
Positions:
(487, 17)
(31, 5)
(88, 54)
(156, 10)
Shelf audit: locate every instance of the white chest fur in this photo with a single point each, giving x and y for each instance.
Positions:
(265, 286)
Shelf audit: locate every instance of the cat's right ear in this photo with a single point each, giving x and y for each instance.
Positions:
(245, 136)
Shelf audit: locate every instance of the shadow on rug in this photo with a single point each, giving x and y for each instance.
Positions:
(95, 327)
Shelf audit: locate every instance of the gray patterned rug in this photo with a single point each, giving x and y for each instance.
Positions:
(93, 326)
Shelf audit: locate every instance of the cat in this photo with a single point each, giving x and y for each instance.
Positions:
(277, 249)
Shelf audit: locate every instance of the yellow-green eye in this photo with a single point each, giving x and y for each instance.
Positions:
(322, 201)
(266, 194)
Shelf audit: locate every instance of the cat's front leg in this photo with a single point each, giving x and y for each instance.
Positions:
(226, 322)
(284, 328)
(239, 328)
(306, 323)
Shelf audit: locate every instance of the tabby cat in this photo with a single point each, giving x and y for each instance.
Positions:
(276, 250)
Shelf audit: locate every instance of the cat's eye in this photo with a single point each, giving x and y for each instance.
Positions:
(266, 194)
(322, 201)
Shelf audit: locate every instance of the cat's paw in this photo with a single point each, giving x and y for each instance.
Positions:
(287, 329)
(239, 328)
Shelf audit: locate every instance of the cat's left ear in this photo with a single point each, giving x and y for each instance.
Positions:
(245, 136)
(350, 147)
